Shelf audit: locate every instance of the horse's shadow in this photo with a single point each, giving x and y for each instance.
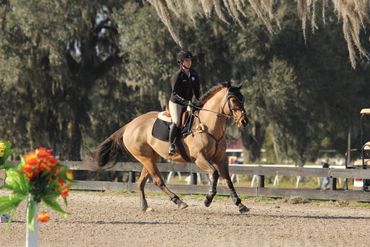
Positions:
(101, 222)
(313, 217)
(280, 216)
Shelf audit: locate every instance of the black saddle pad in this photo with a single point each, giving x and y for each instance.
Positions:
(161, 130)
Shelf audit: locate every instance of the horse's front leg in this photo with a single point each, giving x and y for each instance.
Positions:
(224, 172)
(205, 165)
(213, 190)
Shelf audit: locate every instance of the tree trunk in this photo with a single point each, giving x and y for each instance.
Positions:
(252, 142)
(75, 140)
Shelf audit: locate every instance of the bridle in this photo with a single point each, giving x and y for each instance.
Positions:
(228, 96)
(239, 107)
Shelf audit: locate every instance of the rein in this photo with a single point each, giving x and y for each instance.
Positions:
(227, 116)
(217, 113)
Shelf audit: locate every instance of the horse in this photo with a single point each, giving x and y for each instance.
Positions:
(206, 145)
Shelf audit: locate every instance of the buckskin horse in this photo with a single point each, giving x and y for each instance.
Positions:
(206, 145)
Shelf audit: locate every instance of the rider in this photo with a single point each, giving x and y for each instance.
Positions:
(185, 85)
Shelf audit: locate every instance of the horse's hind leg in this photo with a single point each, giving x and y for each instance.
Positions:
(151, 167)
(224, 172)
(141, 184)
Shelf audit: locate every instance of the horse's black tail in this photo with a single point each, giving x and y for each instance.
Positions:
(110, 150)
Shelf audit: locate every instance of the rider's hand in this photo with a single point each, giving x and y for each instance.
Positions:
(196, 103)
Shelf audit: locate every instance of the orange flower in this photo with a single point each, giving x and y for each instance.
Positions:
(40, 160)
(43, 216)
(60, 181)
(69, 174)
(31, 158)
(42, 152)
(62, 188)
(31, 166)
(64, 191)
(46, 159)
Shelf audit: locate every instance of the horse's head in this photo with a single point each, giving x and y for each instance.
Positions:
(235, 105)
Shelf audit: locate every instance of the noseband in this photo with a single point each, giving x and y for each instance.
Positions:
(240, 100)
(239, 97)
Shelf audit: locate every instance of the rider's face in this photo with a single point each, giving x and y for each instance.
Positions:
(187, 63)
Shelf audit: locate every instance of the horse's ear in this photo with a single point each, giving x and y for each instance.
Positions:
(226, 84)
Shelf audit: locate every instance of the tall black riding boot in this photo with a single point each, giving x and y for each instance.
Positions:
(173, 134)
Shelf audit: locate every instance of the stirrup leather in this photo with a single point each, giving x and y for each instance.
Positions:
(172, 149)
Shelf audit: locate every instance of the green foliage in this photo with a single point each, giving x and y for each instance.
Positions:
(16, 182)
(8, 203)
(51, 202)
(301, 96)
(39, 177)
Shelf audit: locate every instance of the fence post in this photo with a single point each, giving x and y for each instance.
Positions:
(131, 177)
(261, 181)
(345, 184)
(333, 185)
(193, 178)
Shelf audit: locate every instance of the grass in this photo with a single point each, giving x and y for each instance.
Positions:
(360, 204)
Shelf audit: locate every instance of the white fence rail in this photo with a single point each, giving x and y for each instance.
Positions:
(259, 172)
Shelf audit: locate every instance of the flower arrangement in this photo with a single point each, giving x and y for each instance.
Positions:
(39, 177)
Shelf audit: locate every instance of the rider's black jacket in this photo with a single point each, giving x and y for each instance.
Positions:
(184, 87)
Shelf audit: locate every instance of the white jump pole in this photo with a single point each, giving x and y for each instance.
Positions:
(32, 236)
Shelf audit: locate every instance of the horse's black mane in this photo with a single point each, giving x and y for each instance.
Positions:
(213, 90)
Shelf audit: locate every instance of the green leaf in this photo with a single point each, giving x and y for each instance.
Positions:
(11, 202)
(65, 201)
(31, 214)
(16, 181)
(51, 202)
(7, 166)
(21, 164)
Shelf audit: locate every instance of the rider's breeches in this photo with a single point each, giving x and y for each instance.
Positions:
(175, 110)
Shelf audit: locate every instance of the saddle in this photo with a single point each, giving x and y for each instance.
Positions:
(166, 116)
(161, 129)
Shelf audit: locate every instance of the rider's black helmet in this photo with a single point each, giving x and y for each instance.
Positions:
(182, 55)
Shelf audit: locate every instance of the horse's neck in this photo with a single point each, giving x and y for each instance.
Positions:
(214, 122)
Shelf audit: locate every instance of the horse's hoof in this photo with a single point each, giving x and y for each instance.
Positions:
(243, 209)
(183, 205)
(147, 210)
(207, 202)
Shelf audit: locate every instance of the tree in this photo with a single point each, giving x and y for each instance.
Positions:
(57, 57)
(352, 13)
